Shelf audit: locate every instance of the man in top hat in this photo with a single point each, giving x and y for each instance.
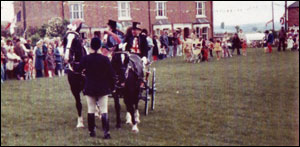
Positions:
(137, 42)
(115, 36)
(100, 81)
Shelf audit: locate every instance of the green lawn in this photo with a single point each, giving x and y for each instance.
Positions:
(251, 100)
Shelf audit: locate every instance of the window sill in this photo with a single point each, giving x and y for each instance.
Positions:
(124, 18)
(200, 16)
(161, 17)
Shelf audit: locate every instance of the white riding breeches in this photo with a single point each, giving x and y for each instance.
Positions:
(102, 103)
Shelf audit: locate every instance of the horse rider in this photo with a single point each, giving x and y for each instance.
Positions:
(100, 81)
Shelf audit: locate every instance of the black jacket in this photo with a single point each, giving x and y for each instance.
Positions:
(236, 42)
(100, 76)
(142, 42)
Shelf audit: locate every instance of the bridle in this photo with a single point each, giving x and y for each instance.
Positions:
(69, 48)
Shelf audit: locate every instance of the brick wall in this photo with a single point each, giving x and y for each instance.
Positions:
(293, 17)
(97, 13)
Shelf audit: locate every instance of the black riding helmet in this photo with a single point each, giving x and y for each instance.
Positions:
(95, 43)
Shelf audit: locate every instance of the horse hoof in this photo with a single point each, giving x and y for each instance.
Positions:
(135, 129)
(80, 126)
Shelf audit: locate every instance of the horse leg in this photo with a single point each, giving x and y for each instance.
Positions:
(137, 113)
(76, 94)
(118, 111)
(130, 109)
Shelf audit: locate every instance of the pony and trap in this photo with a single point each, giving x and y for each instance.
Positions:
(133, 82)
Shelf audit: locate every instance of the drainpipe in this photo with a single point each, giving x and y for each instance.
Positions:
(212, 19)
(149, 15)
(63, 10)
(24, 18)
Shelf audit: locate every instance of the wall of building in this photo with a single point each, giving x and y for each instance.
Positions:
(97, 13)
(293, 17)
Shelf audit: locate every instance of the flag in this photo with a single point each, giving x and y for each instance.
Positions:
(8, 25)
(269, 22)
(12, 26)
(19, 16)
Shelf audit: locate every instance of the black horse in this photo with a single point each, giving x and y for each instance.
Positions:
(74, 51)
(129, 71)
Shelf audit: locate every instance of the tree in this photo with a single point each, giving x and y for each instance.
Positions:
(43, 30)
(237, 28)
(254, 29)
(222, 25)
(56, 27)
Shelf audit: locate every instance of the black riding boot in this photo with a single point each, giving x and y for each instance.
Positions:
(105, 126)
(91, 124)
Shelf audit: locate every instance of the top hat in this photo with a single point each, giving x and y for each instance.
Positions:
(112, 24)
(134, 26)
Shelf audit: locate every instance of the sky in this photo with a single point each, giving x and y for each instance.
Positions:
(229, 12)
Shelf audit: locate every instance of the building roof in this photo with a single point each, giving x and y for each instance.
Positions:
(162, 22)
(201, 21)
(294, 5)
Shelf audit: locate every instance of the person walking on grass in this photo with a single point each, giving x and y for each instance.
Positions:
(100, 81)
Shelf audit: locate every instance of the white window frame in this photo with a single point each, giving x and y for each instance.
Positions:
(127, 10)
(164, 10)
(203, 15)
(79, 11)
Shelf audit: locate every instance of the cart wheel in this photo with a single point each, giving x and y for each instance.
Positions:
(153, 89)
(146, 98)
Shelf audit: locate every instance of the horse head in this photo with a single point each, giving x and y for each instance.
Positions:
(74, 50)
(120, 63)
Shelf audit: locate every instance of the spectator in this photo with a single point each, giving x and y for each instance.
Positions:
(39, 58)
(282, 39)
(58, 53)
(50, 61)
(19, 51)
(155, 48)
(28, 68)
(211, 47)
(3, 58)
(12, 62)
(171, 45)
(45, 51)
(176, 43)
(236, 44)
(164, 41)
(270, 41)
(150, 45)
(218, 49)
(179, 46)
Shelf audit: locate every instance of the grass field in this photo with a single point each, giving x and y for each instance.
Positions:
(251, 100)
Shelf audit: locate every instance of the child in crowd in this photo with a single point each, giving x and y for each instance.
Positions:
(244, 47)
(50, 61)
(211, 47)
(226, 49)
(218, 49)
(28, 68)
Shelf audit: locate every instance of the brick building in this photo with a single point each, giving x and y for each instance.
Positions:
(154, 15)
(293, 15)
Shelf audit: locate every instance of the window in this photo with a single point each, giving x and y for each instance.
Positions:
(161, 10)
(124, 10)
(200, 9)
(205, 33)
(198, 32)
(76, 11)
